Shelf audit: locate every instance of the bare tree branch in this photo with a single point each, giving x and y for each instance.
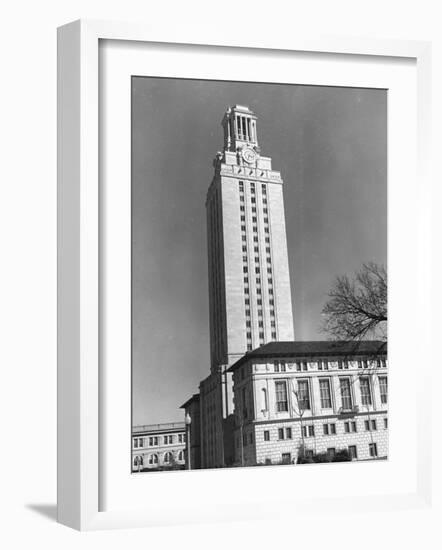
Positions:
(357, 308)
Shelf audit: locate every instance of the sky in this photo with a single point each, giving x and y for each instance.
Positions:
(330, 145)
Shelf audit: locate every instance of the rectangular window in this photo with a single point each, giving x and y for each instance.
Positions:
(333, 429)
(385, 423)
(276, 366)
(383, 387)
(288, 433)
(311, 431)
(266, 435)
(373, 425)
(352, 451)
(367, 425)
(325, 428)
(281, 396)
(373, 450)
(345, 393)
(243, 228)
(364, 384)
(324, 390)
(243, 218)
(273, 335)
(354, 427)
(347, 427)
(136, 443)
(281, 433)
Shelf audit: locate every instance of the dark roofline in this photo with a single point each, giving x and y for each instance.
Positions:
(319, 348)
(195, 397)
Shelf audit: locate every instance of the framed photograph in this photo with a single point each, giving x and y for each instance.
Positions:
(239, 224)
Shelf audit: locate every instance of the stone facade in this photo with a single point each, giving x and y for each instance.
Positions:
(158, 446)
(289, 402)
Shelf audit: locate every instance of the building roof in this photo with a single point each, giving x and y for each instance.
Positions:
(165, 427)
(195, 397)
(313, 348)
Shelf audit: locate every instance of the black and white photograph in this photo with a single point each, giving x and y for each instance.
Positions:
(259, 274)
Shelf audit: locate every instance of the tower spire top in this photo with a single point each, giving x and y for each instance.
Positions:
(239, 124)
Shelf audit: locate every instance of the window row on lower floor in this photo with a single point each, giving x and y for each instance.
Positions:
(329, 428)
(352, 453)
(154, 459)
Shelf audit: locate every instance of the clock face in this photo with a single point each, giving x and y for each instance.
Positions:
(248, 155)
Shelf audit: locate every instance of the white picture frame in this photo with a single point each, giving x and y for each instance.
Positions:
(79, 294)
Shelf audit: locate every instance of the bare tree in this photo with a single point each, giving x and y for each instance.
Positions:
(357, 308)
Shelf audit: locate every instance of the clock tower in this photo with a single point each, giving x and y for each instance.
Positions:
(249, 285)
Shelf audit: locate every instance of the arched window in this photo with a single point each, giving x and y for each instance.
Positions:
(181, 455)
(153, 459)
(264, 399)
(167, 457)
(138, 461)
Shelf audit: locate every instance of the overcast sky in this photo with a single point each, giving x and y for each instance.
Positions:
(330, 145)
